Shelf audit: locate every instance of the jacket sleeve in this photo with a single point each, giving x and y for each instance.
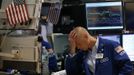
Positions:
(46, 44)
(122, 61)
(73, 64)
(52, 62)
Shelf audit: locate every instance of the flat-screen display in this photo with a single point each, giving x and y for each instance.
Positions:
(116, 38)
(129, 15)
(104, 15)
(60, 42)
(128, 45)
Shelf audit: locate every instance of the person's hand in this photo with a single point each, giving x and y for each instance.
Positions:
(72, 42)
(72, 45)
(50, 50)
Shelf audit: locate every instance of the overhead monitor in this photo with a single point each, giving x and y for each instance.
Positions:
(104, 15)
(128, 45)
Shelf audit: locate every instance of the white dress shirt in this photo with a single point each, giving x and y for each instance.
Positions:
(91, 57)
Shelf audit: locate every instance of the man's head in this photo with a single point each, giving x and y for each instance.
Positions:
(82, 38)
(40, 39)
(44, 17)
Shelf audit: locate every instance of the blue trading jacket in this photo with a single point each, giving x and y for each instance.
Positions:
(112, 63)
(52, 61)
(46, 44)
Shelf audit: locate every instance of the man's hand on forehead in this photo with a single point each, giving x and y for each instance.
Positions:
(72, 34)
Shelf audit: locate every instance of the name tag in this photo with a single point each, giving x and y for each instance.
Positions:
(104, 60)
(99, 55)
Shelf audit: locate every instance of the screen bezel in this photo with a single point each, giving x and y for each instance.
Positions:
(125, 21)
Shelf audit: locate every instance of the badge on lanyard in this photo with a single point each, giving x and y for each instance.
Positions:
(99, 55)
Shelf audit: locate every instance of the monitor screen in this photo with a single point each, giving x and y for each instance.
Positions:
(104, 15)
(128, 45)
(129, 15)
(60, 42)
(116, 38)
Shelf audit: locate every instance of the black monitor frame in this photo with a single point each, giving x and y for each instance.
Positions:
(125, 18)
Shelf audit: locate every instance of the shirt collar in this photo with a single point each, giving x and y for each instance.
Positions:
(95, 47)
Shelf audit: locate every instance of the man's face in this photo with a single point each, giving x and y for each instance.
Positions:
(44, 17)
(82, 43)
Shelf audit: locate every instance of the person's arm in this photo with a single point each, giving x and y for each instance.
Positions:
(122, 60)
(47, 45)
(73, 63)
(52, 61)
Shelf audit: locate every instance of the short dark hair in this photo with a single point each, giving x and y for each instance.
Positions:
(40, 39)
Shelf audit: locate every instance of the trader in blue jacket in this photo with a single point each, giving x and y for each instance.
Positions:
(52, 61)
(95, 56)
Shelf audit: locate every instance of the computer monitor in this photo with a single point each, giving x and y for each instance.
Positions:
(60, 42)
(104, 15)
(129, 15)
(116, 38)
(128, 45)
